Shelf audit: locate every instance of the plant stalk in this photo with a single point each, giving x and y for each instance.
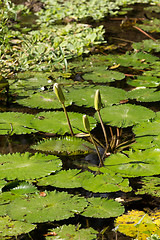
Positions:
(99, 156)
(103, 128)
(69, 123)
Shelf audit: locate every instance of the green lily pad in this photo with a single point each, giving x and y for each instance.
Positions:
(65, 146)
(140, 142)
(102, 208)
(145, 95)
(27, 166)
(137, 60)
(56, 122)
(84, 95)
(125, 115)
(54, 206)
(66, 232)
(2, 184)
(150, 185)
(16, 123)
(139, 163)
(100, 74)
(106, 183)
(9, 228)
(144, 81)
(43, 99)
(147, 45)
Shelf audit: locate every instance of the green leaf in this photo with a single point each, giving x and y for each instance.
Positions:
(2, 184)
(145, 95)
(27, 166)
(84, 95)
(9, 228)
(45, 100)
(144, 81)
(150, 186)
(55, 122)
(139, 163)
(54, 206)
(106, 183)
(67, 232)
(15, 123)
(147, 45)
(100, 74)
(65, 146)
(62, 179)
(125, 115)
(102, 208)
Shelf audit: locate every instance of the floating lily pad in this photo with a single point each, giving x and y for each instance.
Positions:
(102, 208)
(2, 184)
(65, 146)
(125, 115)
(9, 228)
(54, 206)
(144, 142)
(150, 185)
(139, 163)
(144, 81)
(145, 95)
(100, 74)
(147, 45)
(56, 122)
(106, 183)
(27, 166)
(137, 60)
(84, 95)
(66, 232)
(15, 123)
(45, 100)
(71, 178)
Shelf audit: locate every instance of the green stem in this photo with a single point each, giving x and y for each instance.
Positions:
(69, 124)
(99, 156)
(103, 128)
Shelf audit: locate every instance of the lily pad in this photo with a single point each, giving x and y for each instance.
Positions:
(102, 208)
(27, 166)
(9, 228)
(125, 115)
(64, 146)
(147, 45)
(54, 206)
(56, 122)
(139, 163)
(145, 95)
(100, 74)
(16, 123)
(43, 99)
(66, 232)
(144, 81)
(84, 95)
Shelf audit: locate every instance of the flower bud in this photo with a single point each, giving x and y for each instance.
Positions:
(59, 93)
(97, 100)
(86, 123)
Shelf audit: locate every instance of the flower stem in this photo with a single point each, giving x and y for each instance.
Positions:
(69, 124)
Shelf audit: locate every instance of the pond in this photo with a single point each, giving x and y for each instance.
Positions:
(79, 120)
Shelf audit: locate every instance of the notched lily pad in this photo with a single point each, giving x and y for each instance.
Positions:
(54, 206)
(66, 232)
(16, 123)
(56, 122)
(27, 166)
(9, 228)
(102, 208)
(65, 146)
(125, 115)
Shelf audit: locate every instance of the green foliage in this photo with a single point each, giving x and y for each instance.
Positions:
(125, 115)
(150, 185)
(27, 166)
(55, 122)
(102, 208)
(150, 26)
(147, 45)
(144, 95)
(54, 206)
(66, 232)
(144, 81)
(64, 146)
(9, 228)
